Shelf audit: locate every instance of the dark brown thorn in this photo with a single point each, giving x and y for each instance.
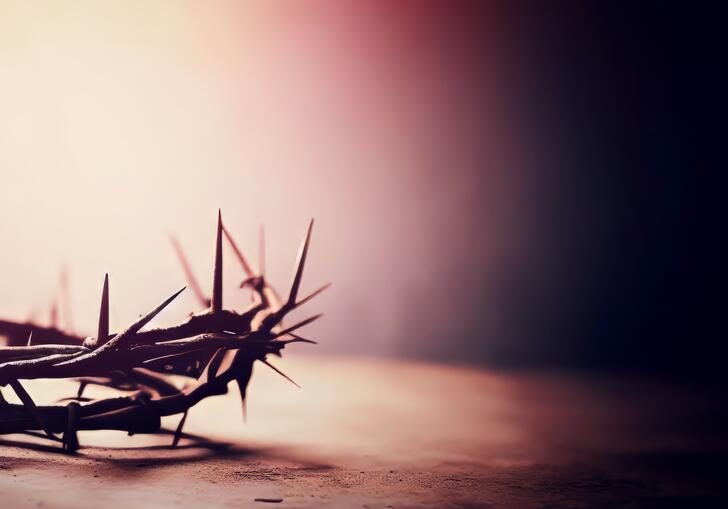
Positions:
(103, 333)
(30, 406)
(238, 253)
(296, 336)
(210, 372)
(294, 340)
(81, 387)
(127, 334)
(300, 262)
(312, 295)
(271, 366)
(178, 431)
(149, 316)
(168, 357)
(70, 437)
(216, 304)
(189, 275)
(299, 325)
(242, 385)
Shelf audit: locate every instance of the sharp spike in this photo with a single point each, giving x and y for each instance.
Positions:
(81, 387)
(189, 275)
(136, 326)
(54, 314)
(211, 369)
(299, 325)
(312, 295)
(30, 338)
(103, 333)
(242, 384)
(178, 431)
(216, 303)
(70, 437)
(238, 253)
(30, 406)
(300, 262)
(271, 366)
(123, 337)
(296, 339)
(154, 312)
(245, 371)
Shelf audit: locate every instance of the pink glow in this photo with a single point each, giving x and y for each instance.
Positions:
(123, 122)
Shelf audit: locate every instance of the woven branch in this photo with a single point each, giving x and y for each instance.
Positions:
(211, 349)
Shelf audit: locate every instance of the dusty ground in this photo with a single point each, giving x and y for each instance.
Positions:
(392, 434)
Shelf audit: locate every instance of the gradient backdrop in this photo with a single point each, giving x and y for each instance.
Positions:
(491, 183)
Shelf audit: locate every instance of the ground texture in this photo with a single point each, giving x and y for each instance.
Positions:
(365, 433)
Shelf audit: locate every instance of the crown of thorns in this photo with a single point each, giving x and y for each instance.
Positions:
(211, 349)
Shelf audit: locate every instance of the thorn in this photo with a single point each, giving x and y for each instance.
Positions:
(70, 437)
(54, 314)
(30, 338)
(178, 431)
(81, 388)
(238, 253)
(30, 406)
(311, 296)
(149, 316)
(300, 262)
(271, 366)
(216, 304)
(245, 371)
(189, 275)
(296, 339)
(124, 336)
(210, 371)
(242, 384)
(299, 325)
(103, 333)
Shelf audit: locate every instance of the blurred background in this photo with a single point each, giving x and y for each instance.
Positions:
(508, 184)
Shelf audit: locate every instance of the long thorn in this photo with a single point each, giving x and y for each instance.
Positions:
(30, 338)
(54, 314)
(271, 366)
(216, 304)
(189, 275)
(299, 325)
(149, 316)
(81, 387)
(300, 262)
(123, 337)
(178, 431)
(238, 253)
(103, 333)
(312, 295)
(30, 406)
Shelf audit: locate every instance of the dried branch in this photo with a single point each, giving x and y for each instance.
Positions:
(213, 348)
